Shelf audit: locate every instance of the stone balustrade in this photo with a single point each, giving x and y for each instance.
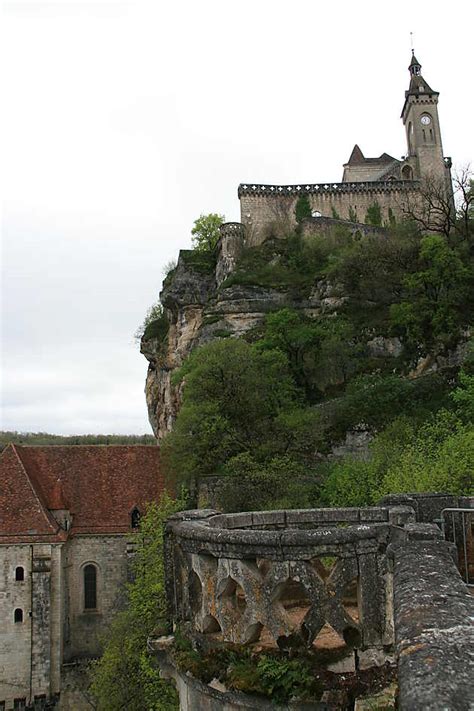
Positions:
(238, 574)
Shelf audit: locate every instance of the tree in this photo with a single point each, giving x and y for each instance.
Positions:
(444, 208)
(206, 231)
(233, 395)
(373, 215)
(302, 208)
(125, 677)
(437, 296)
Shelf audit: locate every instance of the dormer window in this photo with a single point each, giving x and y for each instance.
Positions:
(135, 517)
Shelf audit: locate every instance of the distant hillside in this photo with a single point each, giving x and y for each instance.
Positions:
(40, 438)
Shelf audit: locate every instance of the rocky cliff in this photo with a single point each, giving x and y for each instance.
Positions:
(201, 304)
(229, 294)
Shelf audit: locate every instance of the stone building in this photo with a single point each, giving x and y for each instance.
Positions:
(385, 180)
(66, 517)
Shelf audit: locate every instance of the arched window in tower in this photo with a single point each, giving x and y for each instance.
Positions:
(90, 587)
(407, 172)
(135, 517)
(19, 573)
(18, 615)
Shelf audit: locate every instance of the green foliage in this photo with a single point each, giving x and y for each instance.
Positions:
(463, 396)
(373, 215)
(374, 400)
(334, 213)
(205, 232)
(353, 214)
(439, 459)
(321, 352)
(302, 208)
(125, 676)
(233, 397)
(280, 482)
(437, 294)
(413, 453)
(154, 321)
(279, 678)
(200, 261)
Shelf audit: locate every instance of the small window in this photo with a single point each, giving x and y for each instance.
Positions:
(19, 573)
(18, 615)
(135, 518)
(40, 702)
(19, 703)
(2, 706)
(90, 587)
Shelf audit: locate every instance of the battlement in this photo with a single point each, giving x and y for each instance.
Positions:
(326, 188)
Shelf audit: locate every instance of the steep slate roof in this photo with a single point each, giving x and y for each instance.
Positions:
(358, 158)
(99, 485)
(23, 511)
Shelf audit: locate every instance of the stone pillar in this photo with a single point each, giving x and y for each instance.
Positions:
(41, 620)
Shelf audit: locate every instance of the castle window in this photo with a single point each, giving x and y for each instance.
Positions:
(18, 615)
(407, 172)
(19, 703)
(90, 587)
(135, 518)
(19, 573)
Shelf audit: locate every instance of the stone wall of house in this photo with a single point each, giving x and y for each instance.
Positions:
(263, 205)
(82, 628)
(30, 650)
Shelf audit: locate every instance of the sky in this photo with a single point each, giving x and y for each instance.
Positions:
(123, 121)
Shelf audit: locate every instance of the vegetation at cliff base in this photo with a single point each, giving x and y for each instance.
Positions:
(126, 677)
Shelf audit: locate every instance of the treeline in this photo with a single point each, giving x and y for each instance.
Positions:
(40, 438)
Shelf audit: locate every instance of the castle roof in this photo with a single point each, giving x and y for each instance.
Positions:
(358, 158)
(99, 485)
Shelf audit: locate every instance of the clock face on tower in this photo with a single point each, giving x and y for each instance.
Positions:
(425, 120)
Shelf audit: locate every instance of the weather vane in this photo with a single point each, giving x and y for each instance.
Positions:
(411, 42)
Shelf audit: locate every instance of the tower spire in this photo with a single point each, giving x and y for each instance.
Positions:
(414, 67)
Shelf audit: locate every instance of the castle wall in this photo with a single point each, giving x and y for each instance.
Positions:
(264, 205)
(30, 650)
(83, 628)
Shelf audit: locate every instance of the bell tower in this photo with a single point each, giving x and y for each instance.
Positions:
(420, 118)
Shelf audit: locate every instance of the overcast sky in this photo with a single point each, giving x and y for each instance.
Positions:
(123, 121)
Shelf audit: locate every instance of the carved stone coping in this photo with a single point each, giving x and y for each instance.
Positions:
(322, 188)
(292, 518)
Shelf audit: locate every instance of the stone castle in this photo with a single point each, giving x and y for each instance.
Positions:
(384, 180)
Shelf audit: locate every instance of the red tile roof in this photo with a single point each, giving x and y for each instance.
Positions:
(99, 485)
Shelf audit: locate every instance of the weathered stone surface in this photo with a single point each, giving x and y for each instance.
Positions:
(434, 624)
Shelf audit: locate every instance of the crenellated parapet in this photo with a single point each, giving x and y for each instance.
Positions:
(382, 186)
